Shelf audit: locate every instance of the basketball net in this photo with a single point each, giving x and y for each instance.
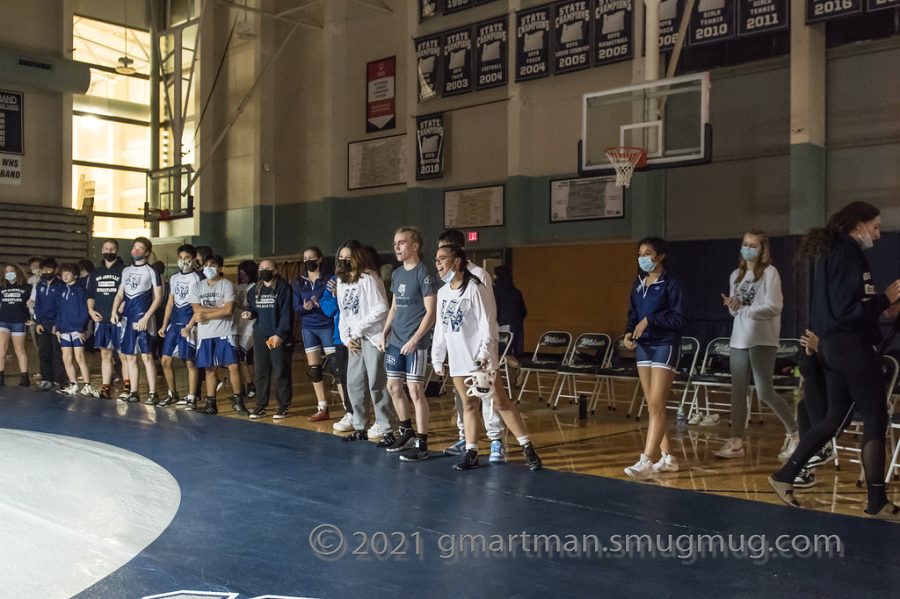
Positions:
(625, 159)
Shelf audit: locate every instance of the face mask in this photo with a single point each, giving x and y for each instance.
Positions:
(210, 272)
(186, 265)
(749, 254)
(11, 277)
(109, 257)
(47, 277)
(137, 256)
(266, 275)
(646, 263)
(312, 265)
(865, 240)
(448, 276)
(345, 265)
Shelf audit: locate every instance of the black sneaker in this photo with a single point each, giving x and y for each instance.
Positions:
(387, 440)
(531, 457)
(357, 436)
(237, 402)
(211, 408)
(251, 391)
(152, 399)
(170, 399)
(24, 380)
(104, 393)
(190, 404)
(469, 461)
(258, 413)
(280, 414)
(406, 440)
(419, 452)
(821, 457)
(133, 397)
(805, 479)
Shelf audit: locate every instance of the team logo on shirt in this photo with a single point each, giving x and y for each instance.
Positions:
(401, 289)
(181, 291)
(351, 301)
(133, 281)
(746, 292)
(452, 312)
(428, 280)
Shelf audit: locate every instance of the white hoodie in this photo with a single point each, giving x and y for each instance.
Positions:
(364, 308)
(758, 320)
(466, 328)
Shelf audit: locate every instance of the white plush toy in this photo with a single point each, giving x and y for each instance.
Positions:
(481, 382)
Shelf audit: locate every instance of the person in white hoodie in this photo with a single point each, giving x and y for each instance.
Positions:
(363, 306)
(755, 302)
(466, 334)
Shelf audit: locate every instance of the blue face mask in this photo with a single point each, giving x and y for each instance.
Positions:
(10, 276)
(448, 276)
(646, 263)
(210, 272)
(749, 254)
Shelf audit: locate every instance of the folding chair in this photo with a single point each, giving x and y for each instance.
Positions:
(504, 344)
(854, 428)
(552, 349)
(590, 354)
(687, 366)
(621, 366)
(714, 377)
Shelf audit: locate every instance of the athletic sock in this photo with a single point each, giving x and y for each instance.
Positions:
(523, 440)
(471, 446)
(405, 424)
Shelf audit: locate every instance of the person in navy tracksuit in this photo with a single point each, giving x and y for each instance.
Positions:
(53, 374)
(655, 322)
(71, 330)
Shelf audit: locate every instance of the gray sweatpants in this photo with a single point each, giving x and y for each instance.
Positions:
(760, 360)
(366, 369)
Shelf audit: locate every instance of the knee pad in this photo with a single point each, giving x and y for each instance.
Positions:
(315, 373)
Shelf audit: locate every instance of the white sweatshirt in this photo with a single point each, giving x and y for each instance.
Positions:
(466, 328)
(364, 308)
(758, 320)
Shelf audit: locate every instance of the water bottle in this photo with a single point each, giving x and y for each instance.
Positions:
(679, 417)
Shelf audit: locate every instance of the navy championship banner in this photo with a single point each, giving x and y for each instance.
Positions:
(670, 12)
(490, 53)
(458, 61)
(429, 146)
(873, 5)
(762, 16)
(11, 104)
(712, 21)
(533, 43)
(428, 66)
(571, 36)
(612, 31)
(451, 6)
(822, 10)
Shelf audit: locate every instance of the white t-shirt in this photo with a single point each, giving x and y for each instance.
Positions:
(466, 328)
(214, 296)
(364, 308)
(758, 320)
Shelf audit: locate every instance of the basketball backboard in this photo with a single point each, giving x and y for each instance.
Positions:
(668, 118)
(169, 194)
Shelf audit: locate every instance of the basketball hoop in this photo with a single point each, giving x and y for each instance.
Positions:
(625, 159)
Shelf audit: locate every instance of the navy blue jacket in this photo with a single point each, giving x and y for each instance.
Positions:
(304, 290)
(71, 309)
(272, 310)
(103, 283)
(45, 302)
(663, 306)
(843, 297)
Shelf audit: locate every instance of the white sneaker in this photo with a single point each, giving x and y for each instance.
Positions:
(790, 445)
(642, 469)
(710, 420)
(733, 448)
(695, 419)
(89, 391)
(345, 424)
(667, 463)
(70, 389)
(376, 432)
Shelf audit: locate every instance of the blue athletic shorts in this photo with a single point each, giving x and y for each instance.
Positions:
(70, 340)
(134, 342)
(318, 339)
(16, 329)
(658, 356)
(410, 368)
(177, 346)
(107, 335)
(216, 352)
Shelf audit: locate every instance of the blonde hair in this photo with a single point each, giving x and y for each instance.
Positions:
(764, 260)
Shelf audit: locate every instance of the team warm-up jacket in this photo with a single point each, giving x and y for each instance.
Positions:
(305, 290)
(662, 304)
(45, 304)
(273, 311)
(72, 313)
(844, 297)
(102, 286)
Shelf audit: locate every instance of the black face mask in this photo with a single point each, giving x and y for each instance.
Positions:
(47, 277)
(345, 265)
(110, 257)
(312, 265)
(266, 275)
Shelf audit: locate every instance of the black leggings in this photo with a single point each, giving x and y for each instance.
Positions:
(812, 408)
(853, 379)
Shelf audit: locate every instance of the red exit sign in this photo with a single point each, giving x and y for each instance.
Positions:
(472, 237)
